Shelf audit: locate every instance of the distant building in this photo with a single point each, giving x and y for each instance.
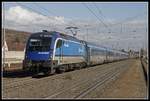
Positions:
(143, 53)
(133, 54)
(24, 49)
(5, 47)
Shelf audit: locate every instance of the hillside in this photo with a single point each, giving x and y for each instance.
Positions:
(16, 40)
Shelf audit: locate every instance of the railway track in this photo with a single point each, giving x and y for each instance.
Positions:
(98, 84)
(16, 83)
(89, 85)
(16, 78)
(145, 69)
(28, 80)
(95, 74)
(73, 87)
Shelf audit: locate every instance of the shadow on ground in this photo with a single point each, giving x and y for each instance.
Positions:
(21, 74)
(16, 74)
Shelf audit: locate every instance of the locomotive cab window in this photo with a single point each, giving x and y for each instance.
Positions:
(39, 44)
(35, 42)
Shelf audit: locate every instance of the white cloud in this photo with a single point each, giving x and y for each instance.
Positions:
(23, 19)
(22, 16)
(137, 22)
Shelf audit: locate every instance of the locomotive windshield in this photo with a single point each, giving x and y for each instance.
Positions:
(39, 44)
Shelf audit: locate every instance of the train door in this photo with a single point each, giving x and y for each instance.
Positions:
(106, 55)
(88, 53)
(59, 51)
(85, 54)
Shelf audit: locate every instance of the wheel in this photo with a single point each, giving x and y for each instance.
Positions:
(49, 72)
(60, 70)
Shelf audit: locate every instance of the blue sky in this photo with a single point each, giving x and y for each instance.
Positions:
(119, 11)
(62, 14)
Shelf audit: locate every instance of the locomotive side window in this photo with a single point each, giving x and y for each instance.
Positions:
(59, 44)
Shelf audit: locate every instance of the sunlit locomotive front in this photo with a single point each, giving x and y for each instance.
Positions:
(50, 51)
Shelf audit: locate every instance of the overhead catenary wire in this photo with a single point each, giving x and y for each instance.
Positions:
(100, 12)
(43, 15)
(128, 19)
(31, 9)
(96, 16)
(50, 12)
(124, 21)
(119, 23)
(35, 11)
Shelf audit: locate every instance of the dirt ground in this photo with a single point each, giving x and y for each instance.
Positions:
(129, 85)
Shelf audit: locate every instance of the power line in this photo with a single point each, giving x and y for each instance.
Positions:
(55, 15)
(31, 9)
(34, 11)
(50, 12)
(128, 19)
(100, 12)
(96, 16)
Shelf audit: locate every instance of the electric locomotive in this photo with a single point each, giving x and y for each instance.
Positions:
(50, 51)
(53, 51)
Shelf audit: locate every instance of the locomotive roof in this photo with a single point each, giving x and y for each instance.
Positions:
(68, 37)
(108, 49)
(92, 44)
(56, 34)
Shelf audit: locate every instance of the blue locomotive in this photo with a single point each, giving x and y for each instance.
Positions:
(49, 52)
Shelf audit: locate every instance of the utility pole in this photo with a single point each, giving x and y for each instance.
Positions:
(87, 34)
(116, 47)
(84, 38)
(112, 46)
(121, 29)
(3, 39)
(147, 52)
(87, 31)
